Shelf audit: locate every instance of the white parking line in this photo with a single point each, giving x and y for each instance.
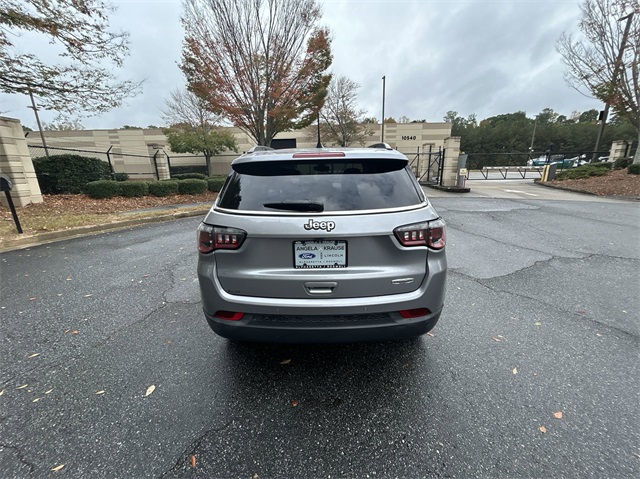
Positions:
(522, 192)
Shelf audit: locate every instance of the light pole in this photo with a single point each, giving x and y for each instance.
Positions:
(614, 80)
(383, 88)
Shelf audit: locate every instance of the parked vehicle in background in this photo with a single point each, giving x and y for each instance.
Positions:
(322, 245)
(559, 160)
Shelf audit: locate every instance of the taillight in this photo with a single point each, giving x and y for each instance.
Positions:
(211, 238)
(428, 233)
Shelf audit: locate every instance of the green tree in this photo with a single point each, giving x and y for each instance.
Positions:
(589, 116)
(194, 127)
(84, 78)
(261, 63)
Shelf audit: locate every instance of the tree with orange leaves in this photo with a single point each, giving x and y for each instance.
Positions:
(261, 63)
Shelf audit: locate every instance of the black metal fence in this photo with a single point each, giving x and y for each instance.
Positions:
(136, 165)
(567, 159)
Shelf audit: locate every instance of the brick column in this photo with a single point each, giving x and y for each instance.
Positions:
(451, 154)
(15, 162)
(618, 150)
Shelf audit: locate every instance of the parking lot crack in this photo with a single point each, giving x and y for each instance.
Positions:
(184, 458)
(20, 456)
(550, 305)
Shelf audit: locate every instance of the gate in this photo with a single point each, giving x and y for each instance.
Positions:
(428, 164)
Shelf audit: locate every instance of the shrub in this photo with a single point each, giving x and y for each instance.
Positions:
(103, 189)
(215, 183)
(191, 187)
(634, 169)
(605, 164)
(163, 188)
(621, 163)
(120, 176)
(132, 189)
(189, 176)
(69, 173)
(177, 170)
(582, 172)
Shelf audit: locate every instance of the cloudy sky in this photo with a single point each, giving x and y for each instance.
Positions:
(476, 56)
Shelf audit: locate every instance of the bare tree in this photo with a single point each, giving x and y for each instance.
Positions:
(84, 79)
(342, 121)
(261, 62)
(597, 62)
(194, 128)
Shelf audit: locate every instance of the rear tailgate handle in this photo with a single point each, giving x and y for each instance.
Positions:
(320, 287)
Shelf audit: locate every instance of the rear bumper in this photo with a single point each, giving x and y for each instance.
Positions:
(305, 329)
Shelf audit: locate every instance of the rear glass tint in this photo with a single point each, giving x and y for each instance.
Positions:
(335, 184)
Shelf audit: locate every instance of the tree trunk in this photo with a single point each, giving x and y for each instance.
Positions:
(207, 158)
(636, 157)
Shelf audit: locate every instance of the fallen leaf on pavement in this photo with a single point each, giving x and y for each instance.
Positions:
(22, 387)
(57, 468)
(537, 323)
(49, 391)
(255, 476)
(150, 389)
(294, 403)
(33, 355)
(542, 429)
(1, 392)
(286, 361)
(515, 370)
(431, 334)
(557, 415)
(100, 392)
(497, 339)
(69, 278)
(75, 331)
(32, 298)
(88, 295)
(193, 461)
(66, 331)
(36, 400)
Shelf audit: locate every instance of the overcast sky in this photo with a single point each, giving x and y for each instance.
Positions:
(476, 56)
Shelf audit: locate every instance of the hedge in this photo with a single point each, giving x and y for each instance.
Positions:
(634, 169)
(103, 189)
(189, 176)
(581, 172)
(163, 188)
(621, 163)
(60, 174)
(120, 176)
(192, 187)
(132, 189)
(215, 183)
(177, 170)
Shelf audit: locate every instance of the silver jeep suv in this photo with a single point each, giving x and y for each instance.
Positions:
(322, 245)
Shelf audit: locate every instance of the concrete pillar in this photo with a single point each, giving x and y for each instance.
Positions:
(451, 154)
(618, 150)
(15, 162)
(163, 166)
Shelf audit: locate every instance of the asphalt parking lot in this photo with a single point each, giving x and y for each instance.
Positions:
(108, 369)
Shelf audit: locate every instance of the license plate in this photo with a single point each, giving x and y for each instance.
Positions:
(319, 254)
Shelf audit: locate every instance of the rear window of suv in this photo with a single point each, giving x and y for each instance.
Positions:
(320, 185)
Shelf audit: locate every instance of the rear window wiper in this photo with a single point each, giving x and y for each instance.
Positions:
(296, 206)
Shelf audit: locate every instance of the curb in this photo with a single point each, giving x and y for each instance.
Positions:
(573, 190)
(53, 236)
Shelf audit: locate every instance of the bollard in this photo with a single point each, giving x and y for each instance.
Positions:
(6, 186)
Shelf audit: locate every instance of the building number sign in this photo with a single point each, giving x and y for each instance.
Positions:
(406, 137)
